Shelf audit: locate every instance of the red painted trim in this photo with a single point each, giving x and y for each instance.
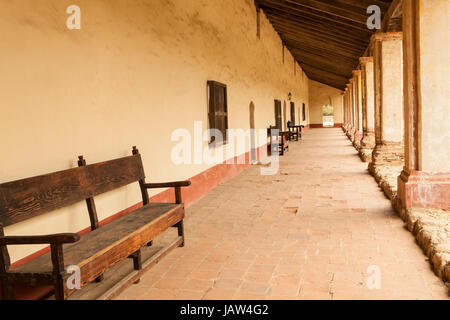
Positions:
(201, 185)
(418, 189)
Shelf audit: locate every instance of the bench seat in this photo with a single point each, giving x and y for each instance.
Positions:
(126, 235)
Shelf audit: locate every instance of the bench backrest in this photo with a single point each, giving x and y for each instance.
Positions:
(24, 199)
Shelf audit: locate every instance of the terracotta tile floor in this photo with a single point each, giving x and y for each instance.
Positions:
(309, 232)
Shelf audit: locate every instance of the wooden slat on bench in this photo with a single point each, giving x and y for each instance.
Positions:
(23, 199)
(106, 246)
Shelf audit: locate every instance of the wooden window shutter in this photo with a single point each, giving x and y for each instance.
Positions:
(278, 121)
(218, 109)
(292, 113)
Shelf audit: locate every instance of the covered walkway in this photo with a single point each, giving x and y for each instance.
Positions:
(320, 229)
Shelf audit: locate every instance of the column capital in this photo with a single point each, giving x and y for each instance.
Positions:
(351, 81)
(364, 60)
(387, 36)
(356, 72)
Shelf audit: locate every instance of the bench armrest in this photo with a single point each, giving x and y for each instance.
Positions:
(47, 239)
(176, 184)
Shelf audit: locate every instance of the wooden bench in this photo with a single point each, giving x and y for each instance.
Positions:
(100, 249)
(295, 131)
(283, 141)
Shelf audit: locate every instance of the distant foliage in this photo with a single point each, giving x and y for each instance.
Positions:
(328, 110)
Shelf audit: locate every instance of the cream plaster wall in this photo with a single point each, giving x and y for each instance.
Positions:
(320, 95)
(134, 73)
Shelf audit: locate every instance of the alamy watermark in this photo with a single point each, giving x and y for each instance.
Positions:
(73, 22)
(373, 282)
(374, 21)
(232, 149)
(73, 282)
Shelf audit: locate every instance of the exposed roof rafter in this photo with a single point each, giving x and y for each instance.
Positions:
(326, 37)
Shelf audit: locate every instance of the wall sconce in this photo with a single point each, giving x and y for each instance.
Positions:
(289, 96)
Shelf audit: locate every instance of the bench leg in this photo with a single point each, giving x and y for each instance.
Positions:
(59, 288)
(7, 290)
(137, 262)
(180, 226)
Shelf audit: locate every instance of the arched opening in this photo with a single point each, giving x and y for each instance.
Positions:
(328, 115)
(253, 155)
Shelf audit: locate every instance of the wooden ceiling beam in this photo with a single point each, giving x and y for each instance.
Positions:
(325, 72)
(330, 83)
(339, 67)
(340, 10)
(295, 26)
(320, 16)
(363, 4)
(323, 77)
(331, 56)
(304, 34)
(330, 53)
(303, 19)
(320, 45)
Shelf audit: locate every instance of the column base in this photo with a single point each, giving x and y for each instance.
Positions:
(345, 127)
(367, 145)
(423, 201)
(388, 154)
(417, 189)
(350, 133)
(357, 140)
(365, 154)
(387, 163)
